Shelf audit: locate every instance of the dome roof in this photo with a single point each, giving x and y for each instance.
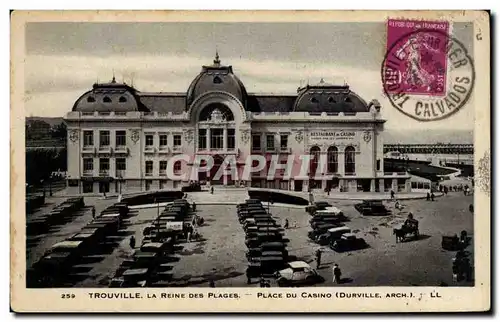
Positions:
(216, 78)
(109, 97)
(325, 97)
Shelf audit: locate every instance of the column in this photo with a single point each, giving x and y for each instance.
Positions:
(372, 185)
(395, 185)
(224, 145)
(208, 139)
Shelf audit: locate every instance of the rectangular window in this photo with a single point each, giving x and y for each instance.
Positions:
(121, 138)
(104, 138)
(149, 168)
(231, 140)
(88, 165)
(202, 139)
(88, 138)
(149, 140)
(177, 140)
(163, 168)
(256, 146)
(121, 164)
(103, 166)
(284, 141)
(270, 142)
(163, 140)
(216, 139)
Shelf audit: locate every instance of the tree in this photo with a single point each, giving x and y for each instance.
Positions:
(59, 131)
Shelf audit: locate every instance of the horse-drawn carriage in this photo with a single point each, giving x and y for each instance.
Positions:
(409, 228)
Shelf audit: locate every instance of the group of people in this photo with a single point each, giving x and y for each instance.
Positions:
(336, 272)
(430, 196)
(456, 188)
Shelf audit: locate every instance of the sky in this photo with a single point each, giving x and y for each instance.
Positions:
(63, 60)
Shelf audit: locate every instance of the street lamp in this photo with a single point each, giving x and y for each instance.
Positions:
(50, 185)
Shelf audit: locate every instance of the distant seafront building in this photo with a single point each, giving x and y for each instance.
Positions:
(120, 139)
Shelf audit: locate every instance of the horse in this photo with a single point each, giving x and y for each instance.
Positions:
(400, 234)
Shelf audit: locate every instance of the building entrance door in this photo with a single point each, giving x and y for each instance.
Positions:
(103, 187)
(218, 160)
(298, 185)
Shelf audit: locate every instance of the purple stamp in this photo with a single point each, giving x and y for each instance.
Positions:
(426, 74)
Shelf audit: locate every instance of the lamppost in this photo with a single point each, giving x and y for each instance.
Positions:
(50, 185)
(43, 186)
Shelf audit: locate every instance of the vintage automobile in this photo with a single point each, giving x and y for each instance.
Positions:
(258, 252)
(348, 242)
(298, 273)
(135, 277)
(332, 235)
(372, 208)
(264, 266)
(257, 241)
(452, 243)
(318, 205)
(330, 212)
(321, 230)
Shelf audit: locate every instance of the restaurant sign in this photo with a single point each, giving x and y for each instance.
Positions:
(328, 136)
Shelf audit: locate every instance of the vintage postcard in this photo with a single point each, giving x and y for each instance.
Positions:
(279, 161)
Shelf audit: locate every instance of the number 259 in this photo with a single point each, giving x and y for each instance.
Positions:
(68, 296)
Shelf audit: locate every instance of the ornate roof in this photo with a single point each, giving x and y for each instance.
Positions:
(324, 97)
(109, 97)
(216, 77)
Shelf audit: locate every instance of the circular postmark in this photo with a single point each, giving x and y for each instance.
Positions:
(427, 75)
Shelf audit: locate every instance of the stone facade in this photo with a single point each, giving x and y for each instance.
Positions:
(122, 140)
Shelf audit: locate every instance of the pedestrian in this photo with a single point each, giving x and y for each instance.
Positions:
(428, 196)
(286, 224)
(262, 282)
(445, 190)
(465, 191)
(336, 274)
(211, 190)
(189, 233)
(93, 212)
(328, 191)
(318, 258)
(432, 196)
(194, 206)
(211, 283)
(392, 194)
(104, 194)
(132, 242)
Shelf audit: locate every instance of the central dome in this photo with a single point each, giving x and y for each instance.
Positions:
(216, 78)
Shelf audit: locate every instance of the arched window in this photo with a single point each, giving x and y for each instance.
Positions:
(123, 99)
(106, 99)
(350, 160)
(216, 112)
(91, 99)
(315, 153)
(217, 80)
(333, 159)
(331, 100)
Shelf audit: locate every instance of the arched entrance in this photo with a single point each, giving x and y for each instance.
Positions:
(218, 160)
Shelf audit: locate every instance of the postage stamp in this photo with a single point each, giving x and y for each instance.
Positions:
(250, 161)
(427, 74)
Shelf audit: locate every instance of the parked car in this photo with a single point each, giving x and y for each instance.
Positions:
(348, 242)
(298, 273)
(372, 208)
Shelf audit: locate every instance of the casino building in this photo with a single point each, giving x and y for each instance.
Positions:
(121, 139)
